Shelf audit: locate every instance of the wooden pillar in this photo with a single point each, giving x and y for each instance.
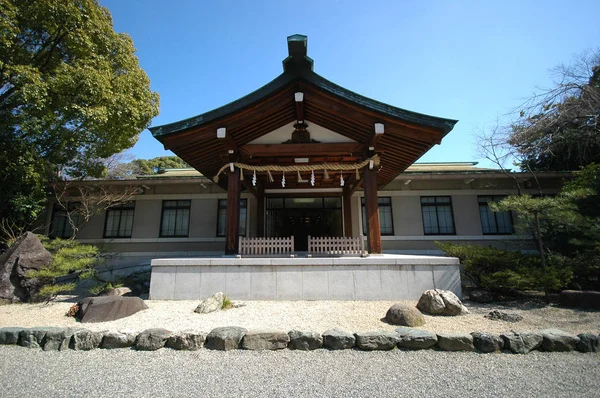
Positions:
(232, 229)
(347, 214)
(372, 210)
(260, 214)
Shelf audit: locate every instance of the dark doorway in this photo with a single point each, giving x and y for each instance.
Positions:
(302, 217)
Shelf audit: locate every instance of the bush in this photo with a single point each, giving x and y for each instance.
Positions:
(506, 270)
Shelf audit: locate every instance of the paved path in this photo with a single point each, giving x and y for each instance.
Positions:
(204, 373)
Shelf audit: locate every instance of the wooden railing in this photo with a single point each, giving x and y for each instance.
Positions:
(336, 246)
(266, 246)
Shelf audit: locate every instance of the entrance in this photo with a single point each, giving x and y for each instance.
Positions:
(302, 217)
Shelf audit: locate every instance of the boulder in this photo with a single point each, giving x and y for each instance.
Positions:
(9, 335)
(152, 339)
(188, 340)
(85, 340)
(304, 340)
(455, 342)
(34, 337)
(485, 342)
(119, 291)
(441, 302)
(558, 340)
(496, 315)
(26, 254)
(588, 342)
(338, 339)
(265, 339)
(481, 296)
(225, 338)
(380, 340)
(416, 339)
(580, 299)
(522, 342)
(108, 308)
(58, 339)
(211, 304)
(121, 339)
(404, 315)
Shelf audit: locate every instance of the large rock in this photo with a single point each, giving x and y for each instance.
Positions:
(188, 340)
(485, 342)
(225, 338)
(211, 304)
(380, 340)
(265, 339)
(404, 315)
(455, 342)
(152, 339)
(26, 254)
(85, 340)
(522, 342)
(416, 339)
(34, 337)
(304, 340)
(496, 315)
(120, 291)
(441, 302)
(108, 308)
(58, 339)
(9, 335)
(588, 342)
(580, 299)
(338, 339)
(120, 339)
(558, 340)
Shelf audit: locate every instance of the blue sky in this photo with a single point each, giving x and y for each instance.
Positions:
(468, 60)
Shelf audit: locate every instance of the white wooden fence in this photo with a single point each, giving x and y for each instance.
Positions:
(336, 245)
(266, 246)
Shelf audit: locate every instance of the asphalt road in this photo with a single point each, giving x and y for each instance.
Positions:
(349, 373)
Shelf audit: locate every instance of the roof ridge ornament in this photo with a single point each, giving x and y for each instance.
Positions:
(297, 59)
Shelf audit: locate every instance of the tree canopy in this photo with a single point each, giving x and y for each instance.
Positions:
(155, 165)
(72, 93)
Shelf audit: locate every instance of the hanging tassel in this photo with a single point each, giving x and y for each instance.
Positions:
(300, 177)
(270, 176)
(241, 175)
(325, 175)
(254, 179)
(342, 182)
(283, 180)
(357, 175)
(312, 178)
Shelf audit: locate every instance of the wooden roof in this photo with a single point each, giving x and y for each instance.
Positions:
(408, 135)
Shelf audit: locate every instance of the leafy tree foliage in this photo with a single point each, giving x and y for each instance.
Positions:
(72, 93)
(155, 165)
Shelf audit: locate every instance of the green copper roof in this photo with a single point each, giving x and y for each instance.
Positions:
(299, 67)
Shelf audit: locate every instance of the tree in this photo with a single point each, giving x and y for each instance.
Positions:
(155, 165)
(72, 93)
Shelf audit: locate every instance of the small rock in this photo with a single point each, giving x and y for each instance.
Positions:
(119, 291)
(58, 339)
(265, 339)
(522, 342)
(496, 315)
(485, 342)
(152, 339)
(225, 338)
(441, 302)
(121, 339)
(85, 340)
(481, 296)
(188, 340)
(400, 314)
(416, 339)
(9, 335)
(380, 340)
(588, 342)
(304, 340)
(338, 339)
(455, 342)
(580, 299)
(558, 340)
(211, 304)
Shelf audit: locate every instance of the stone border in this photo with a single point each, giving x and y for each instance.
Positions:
(229, 338)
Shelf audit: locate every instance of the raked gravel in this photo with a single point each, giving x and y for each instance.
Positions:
(316, 316)
(321, 373)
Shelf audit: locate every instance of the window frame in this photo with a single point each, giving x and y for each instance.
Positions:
(495, 198)
(242, 200)
(176, 207)
(363, 215)
(124, 206)
(58, 208)
(435, 204)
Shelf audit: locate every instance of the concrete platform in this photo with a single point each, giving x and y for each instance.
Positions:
(381, 277)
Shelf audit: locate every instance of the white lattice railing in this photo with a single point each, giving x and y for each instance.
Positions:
(266, 246)
(336, 245)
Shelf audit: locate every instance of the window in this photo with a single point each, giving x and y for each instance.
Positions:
(437, 215)
(175, 220)
(386, 225)
(494, 223)
(119, 220)
(60, 226)
(222, 217)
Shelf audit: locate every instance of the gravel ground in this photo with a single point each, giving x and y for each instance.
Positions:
(322, 373)
(315, 316)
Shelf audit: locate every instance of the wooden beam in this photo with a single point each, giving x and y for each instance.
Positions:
(347, 199)
(299, 99)
(372, 209)
(260, 213)
(232, 229)
(301, 150)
